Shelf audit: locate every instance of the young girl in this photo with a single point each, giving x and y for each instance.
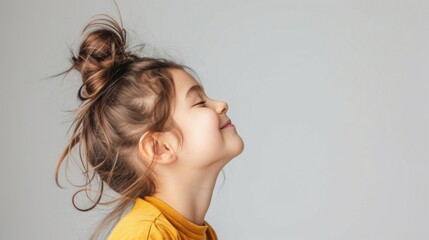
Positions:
(147, 129)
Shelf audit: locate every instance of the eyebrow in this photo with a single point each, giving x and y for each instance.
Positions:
(194, 88)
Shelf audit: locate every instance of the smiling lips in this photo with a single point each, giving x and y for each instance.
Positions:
(227, 124)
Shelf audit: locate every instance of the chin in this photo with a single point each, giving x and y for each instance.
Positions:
(240, 147)
(235, 148)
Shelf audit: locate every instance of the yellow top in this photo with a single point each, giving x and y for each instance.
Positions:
(151, 218)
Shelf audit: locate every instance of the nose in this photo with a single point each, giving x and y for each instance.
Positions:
(221, 107)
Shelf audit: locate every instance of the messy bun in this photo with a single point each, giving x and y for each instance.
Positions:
(123, 96)
(100, 55)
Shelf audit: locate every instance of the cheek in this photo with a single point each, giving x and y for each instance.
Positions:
(205, 128)
(202, 136)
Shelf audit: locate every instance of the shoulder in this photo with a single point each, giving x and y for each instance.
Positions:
(143, 221)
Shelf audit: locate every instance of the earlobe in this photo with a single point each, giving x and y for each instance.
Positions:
(157, 147)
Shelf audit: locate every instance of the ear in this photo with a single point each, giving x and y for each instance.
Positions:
(158, 147)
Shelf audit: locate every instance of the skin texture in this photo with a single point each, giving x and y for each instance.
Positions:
(186, 174)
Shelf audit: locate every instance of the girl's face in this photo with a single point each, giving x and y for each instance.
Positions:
(209, 137)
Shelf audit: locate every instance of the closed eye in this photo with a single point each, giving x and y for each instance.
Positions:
(200, 103)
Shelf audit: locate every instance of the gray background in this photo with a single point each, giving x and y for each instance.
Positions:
(331, 98)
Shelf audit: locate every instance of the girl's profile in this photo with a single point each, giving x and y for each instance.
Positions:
(146, 128)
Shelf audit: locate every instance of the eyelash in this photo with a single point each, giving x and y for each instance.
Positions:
(200, 103)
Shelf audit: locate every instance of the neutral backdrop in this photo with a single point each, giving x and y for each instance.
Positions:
(330, 97)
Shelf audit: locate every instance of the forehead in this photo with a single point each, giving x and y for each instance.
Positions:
(183, 81)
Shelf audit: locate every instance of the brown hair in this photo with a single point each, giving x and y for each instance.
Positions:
(122, 97)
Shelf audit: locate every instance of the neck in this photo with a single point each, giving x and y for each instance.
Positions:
(189, 194)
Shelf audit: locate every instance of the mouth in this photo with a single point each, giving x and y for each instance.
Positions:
(227, 124)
